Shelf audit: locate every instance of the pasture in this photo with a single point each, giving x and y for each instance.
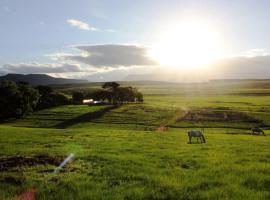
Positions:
(121, 154)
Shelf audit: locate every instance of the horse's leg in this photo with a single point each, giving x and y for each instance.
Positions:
(189, 139)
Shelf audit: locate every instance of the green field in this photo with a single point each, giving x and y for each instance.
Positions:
(121, 153)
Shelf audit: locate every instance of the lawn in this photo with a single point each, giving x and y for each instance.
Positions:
(120, 154)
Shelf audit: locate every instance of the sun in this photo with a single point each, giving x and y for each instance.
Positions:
(187, 45)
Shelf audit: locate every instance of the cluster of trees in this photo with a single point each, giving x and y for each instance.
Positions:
(116, 94)
(112, 93)
(19, 99)
(16, 99)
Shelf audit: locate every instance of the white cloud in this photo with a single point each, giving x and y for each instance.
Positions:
(81, 25)
(58, 56)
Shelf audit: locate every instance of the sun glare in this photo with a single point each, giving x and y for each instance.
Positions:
(187, 45)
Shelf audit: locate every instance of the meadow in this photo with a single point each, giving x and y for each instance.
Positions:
(121, 152)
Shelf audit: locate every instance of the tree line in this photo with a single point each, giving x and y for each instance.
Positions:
(112, 93)
(19, 99)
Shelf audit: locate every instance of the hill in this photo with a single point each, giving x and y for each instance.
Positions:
(40, 79)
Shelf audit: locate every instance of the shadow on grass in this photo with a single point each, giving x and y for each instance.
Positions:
(85, 117)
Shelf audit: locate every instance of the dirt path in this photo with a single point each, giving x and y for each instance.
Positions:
(177, 115)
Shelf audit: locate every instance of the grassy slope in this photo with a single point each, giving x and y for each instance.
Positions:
(56, 116)
(118, 157)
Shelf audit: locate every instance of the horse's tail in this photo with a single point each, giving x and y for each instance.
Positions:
(262, 132)
(203, 138)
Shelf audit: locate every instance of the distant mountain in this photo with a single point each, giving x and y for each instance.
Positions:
(40, 79)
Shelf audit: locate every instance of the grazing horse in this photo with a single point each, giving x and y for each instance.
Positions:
(257, 131)
(197, 134)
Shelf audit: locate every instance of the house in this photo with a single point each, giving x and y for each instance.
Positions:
(88, 101)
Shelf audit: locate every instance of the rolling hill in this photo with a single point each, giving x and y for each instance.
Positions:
(40, 79)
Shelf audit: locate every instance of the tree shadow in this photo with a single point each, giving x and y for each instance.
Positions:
(84, 118)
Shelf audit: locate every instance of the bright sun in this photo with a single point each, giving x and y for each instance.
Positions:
(187, 45)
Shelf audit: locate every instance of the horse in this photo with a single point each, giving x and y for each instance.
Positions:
(197, 134)
(257, 131)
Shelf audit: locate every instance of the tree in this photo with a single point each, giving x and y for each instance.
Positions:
(44, 90)
(101, 95)
(59, 99)
(28, 98)
(139, 97)
(16, 100)
(125, 94)
(77, 97)
(50, 98)
(110, 85)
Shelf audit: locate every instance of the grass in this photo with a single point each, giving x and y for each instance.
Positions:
(56, 116)
(120, 155)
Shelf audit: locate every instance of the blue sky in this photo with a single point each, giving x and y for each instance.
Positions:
(33, 29)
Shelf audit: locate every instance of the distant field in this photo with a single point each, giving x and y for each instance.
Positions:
(218, 87)
(121, 152)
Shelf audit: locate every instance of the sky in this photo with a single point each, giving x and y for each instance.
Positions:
(101, 40)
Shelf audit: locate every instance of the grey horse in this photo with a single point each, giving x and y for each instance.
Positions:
(257, 130)
(197, 134)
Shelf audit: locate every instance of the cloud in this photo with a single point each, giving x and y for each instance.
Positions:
(81, 25)
(250, 53)
(112, 56)
(242, 67)
(35, 68)
(255, 52)
(58, 56)
(107, 58)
